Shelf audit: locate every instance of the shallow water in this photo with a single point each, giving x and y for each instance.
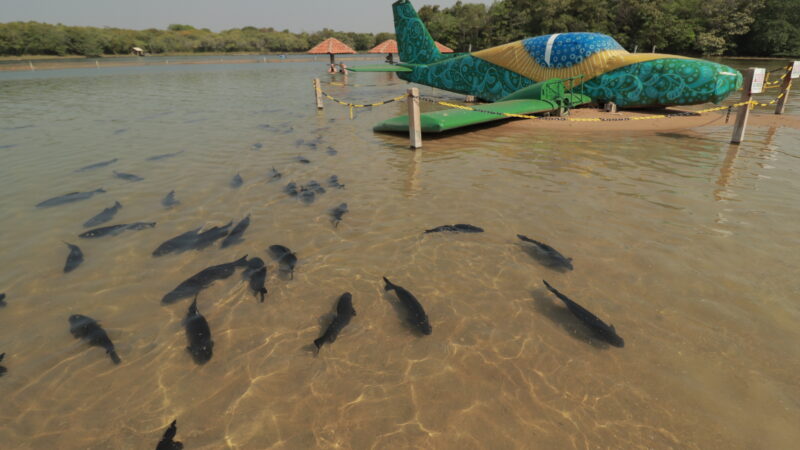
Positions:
(685, 243)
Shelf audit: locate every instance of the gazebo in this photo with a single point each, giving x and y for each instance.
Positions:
(331, 46)
(389, 47)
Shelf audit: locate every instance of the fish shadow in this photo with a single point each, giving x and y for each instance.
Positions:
(544, 304)
(402, 312)
(543, 258)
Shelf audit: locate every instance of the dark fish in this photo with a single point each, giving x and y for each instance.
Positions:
(104, 216)
(291, 189)
(2, 299)
(169, 200)
(199, 334)
(112, 230)
(257, 279)
(164, 156)
(331, 151)
(127, 176)
(302, 160)
(236, 181)
(252, 265)
(314, 186)
(179, 243)
(3, 370)
(333, 182)
(83, 327)
(547, 255)
(307, 196)
(236, 234)
(68, 198)
(208, 237)
(416, 315)
(344, 312)
(299, 142)
(337, 213)
(166, 442)
(600, 329)
(120, 131)
(97, 165)
(203, 279)
(274, 175)
(257, 146)
(286, 259)
(74, 259)
(459, 228)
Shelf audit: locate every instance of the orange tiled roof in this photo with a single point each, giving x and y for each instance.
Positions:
(331, 45)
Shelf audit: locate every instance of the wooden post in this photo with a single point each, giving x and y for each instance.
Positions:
(610, 107)
(785, 87)
(635, 47)
(744, 110)
(318, 93)
(414, 127)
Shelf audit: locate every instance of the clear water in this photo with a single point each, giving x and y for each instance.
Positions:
(685, 243)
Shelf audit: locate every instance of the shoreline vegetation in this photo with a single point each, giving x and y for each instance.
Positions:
(759, 28)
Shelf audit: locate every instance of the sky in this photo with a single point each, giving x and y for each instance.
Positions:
(367, 16)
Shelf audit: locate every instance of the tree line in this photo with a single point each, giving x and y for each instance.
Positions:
(34, 38)
(701, 27)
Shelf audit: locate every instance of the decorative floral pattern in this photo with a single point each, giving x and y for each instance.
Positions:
(568, 49)
(415, 44)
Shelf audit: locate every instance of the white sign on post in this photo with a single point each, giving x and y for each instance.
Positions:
(758, 80)
(795, 70)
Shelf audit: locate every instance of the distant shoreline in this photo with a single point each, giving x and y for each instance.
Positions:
(56, 63)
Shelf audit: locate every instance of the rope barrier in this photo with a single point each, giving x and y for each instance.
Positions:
(358, 105)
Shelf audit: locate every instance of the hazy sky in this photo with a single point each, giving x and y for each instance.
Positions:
(296, 15)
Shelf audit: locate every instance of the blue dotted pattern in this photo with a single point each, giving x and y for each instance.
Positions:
(569, 48)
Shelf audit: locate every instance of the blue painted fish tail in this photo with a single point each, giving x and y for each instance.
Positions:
(415, 44)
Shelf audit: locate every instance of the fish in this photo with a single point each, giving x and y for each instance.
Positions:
(198, 334)
(313, 185)
(2, 299)
(236, 234)
(163, 156)
(167, 442)
(74, 259)
(68, 198)
(458, 228)
(208, 237)
(257, 146)
(333, 182)
(291, 189)
(97, 165)
(253, 264)
(274, 175)
(547, 255)
(203, 279)
(127, 176)
(169, 200)
(114, 230)
(337, 213)
(344, 312)
(598, 327)
(416, 314)
(331, 151)
(86, 328)
(104, 216)
(257, 279)
(307, 196)
(179, 243)
(3, 370)
(302, 160)
(120, 131)
(236, 181)
(286, 259)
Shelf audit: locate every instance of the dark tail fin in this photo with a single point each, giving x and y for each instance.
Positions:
(193, 306)
(318, 342)
(263, 292)
(549, 288)
(389, 286)
(415, 44)
(114, 356)
(241, 262)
